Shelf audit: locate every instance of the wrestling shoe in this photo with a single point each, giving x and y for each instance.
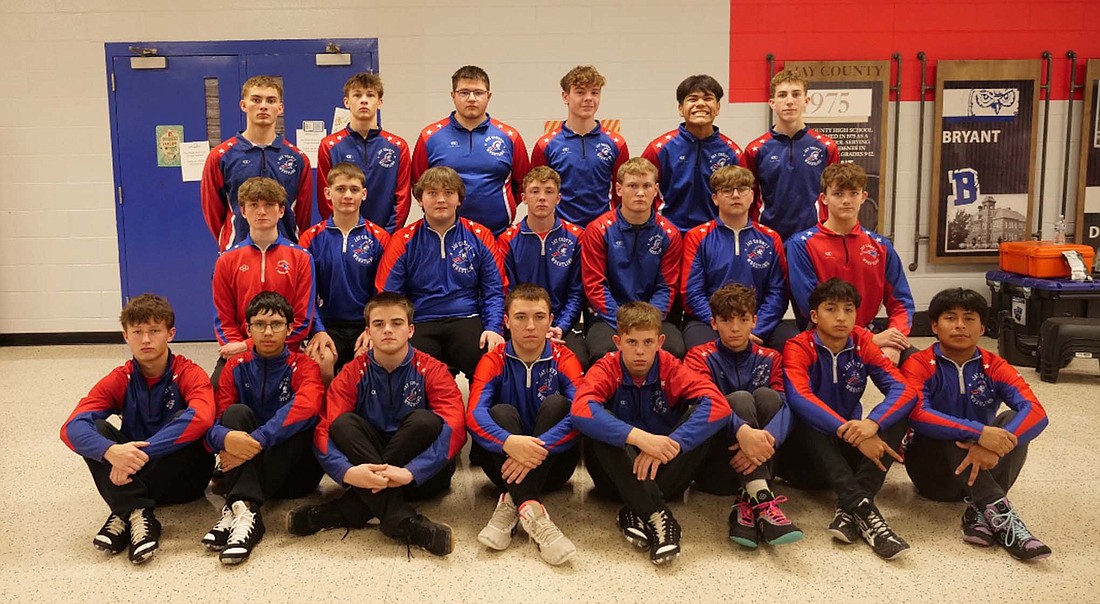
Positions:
(742, 522)
(114, 536)
(144, 535)
(633, 528)
(1012, 534)
(247, 530)
(774, 526)
(882, 539)
(216, 538)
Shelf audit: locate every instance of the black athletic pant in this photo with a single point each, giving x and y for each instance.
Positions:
(288, 470)
(600, 343)
(344, 334)
(178, 477)
(931, 465)
(812, 460)
(552, 473)
(715, 475)
(363, 443)
(456, 342)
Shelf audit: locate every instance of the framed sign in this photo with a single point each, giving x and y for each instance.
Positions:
(1088, 179)
(848, 101)
(983, 157)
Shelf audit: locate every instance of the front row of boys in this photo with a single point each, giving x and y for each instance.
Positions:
(649, 420)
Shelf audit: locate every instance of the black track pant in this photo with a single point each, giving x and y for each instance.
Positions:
(453, 341)
(288, 470)
(715, 475)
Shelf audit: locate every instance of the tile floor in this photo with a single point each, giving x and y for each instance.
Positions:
(53, 511)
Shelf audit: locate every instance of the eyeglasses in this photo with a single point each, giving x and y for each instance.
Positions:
(729, 191)
(466, 93)
(274, 326)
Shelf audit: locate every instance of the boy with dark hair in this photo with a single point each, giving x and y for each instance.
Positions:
(962, 449)
(752, 379)
(582, 150)
(840, 247)
(266, 261)
(489, 154)
(268, 401)
(631, 254)
(686, 157)
(256, 151)
(648, 420)
(157, 456)
(545, 250)
(390, 432)
(519, 421)
(346, 251)
(451, 270)
(757, 261)
(381, 155)
(788, 161)
(826, 370)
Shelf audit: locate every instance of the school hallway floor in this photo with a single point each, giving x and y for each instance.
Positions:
(53, 511)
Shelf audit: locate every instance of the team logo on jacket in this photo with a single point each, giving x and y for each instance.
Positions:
(757, 253)
(411, 394)
(656, 245)
(813, 156)
(282, 267)
(603, 151)
(981, 395)
(169, 399)
(868, 253)
(561, 251)
(494, 145)
(854, 376)
(462, 257)
(719, 160)
(287, 164)
(544, 383)
(284, 390)
(660, 405)
(760, 375)
(387, 158)
(362, 249)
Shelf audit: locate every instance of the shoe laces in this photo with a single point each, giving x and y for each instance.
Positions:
(242, 526)
(543, 530)
(1012, 526)
(876, 524)
(224, 523)
(744, 511)
(770, 510)
(505, 514)
(115, 525)
(661, 526)
(139, 526)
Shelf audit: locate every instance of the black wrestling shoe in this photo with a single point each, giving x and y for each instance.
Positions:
(114, 536)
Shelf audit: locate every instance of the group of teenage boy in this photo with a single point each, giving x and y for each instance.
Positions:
(639, 304)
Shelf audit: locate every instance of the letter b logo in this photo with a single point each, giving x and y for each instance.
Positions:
(964, 186)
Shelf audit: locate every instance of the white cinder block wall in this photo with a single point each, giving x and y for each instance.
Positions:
(58, 245)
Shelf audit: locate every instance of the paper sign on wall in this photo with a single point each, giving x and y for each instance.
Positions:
(168, 146)
(341, 117)
(192, 159)
(308, 142)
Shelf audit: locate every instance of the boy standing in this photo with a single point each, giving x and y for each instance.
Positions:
(156, 457)
(519, 420)
(545, 250)
(631, 254)
(381, 155)
(488, 154)
(962, 449)
(686, 157)
(826, 371)
(391, 428)
(840, 247)
(268, 401)
(582, 151)
(751, 377)
(734, 249)
(346, 251)
(648, 419)
(788, 161)
(256, 151)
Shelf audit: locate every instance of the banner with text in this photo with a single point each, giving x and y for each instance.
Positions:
(1088, 180)
(983, 157)
(848, 101)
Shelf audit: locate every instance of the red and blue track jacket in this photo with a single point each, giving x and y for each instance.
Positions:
(610, 403)
(957, 402)
(788, 178)
(456, 274)
(502, 378)
(245, 270)
(621, 263)
(384, 158)
(752, 368)
(235, 161)
(384, 399)
(863, 258)
(344, 268)
(684, 164)
(715, 254)
(587, 164)
(491, 159)
(552, 262)
(169, 412)
(824, 389)
(285, 392)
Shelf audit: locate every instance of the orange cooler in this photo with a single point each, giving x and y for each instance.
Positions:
(1041, 259)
